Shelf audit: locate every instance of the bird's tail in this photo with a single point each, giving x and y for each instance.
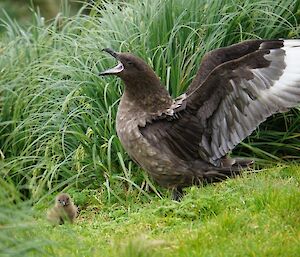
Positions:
(229, 168)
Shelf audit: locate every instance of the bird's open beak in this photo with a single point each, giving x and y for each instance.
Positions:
(113, 71)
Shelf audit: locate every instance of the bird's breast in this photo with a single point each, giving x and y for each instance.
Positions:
(166, 170)
(135, 144)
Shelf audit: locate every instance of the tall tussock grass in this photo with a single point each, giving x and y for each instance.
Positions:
(17, 225)
(57, 115)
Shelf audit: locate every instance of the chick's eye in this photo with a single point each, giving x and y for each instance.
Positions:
(130, 63)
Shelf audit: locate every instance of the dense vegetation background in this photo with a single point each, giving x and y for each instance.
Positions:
(57, 129)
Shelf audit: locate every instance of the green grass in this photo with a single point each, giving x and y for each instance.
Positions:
(254, 215)
(57, 116)
(57, 132)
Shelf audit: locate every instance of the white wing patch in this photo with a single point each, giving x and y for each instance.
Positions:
(287, 88)
(273, 89)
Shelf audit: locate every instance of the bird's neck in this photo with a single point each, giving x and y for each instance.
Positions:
(149, 96)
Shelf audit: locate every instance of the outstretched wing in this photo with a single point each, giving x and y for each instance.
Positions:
(231, 98)
(216, 57)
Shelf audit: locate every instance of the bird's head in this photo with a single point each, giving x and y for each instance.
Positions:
(129, 68)
(142, 86)
(63, 200)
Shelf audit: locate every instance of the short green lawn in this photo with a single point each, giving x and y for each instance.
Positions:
(254, 215)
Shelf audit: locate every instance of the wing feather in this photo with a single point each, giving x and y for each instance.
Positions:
(235, 90)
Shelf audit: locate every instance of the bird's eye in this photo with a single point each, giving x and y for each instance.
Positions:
(130, 63)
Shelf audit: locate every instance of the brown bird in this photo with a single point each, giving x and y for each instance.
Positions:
(184, 141)
(63, 211)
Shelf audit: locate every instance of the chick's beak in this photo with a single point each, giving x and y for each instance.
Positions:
(117, 69)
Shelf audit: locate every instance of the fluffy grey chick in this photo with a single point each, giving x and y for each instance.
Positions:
(63, 211)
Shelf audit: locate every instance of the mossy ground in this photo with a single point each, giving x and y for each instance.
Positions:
(253, 215)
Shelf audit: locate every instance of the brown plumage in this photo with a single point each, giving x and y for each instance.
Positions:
(63, 211)
(185, 141)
